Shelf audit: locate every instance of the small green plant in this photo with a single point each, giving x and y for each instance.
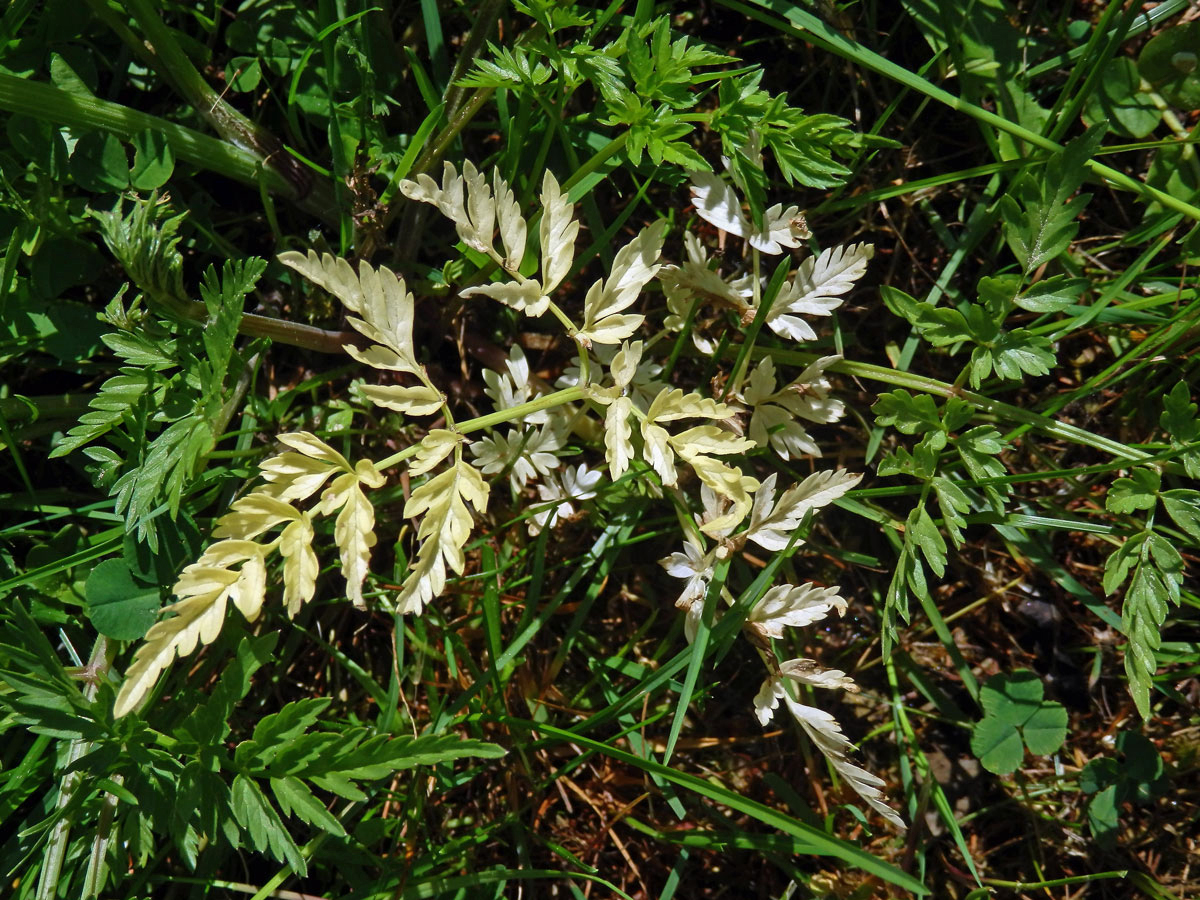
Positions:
(1149, 559)
(1136, 775)
(1016, 718)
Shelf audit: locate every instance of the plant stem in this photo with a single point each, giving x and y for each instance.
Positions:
(60, 833)
(252, 325)
(981, 403)
(546, 401)
(49, 104)
(485, 21)
(1054, 882)
(173, 64)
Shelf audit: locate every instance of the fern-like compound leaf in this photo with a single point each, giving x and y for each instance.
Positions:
(788, 605)
(775, 414)
(822, 728)
(444, 530)
(817, 288)
(204, 590)
(605, 320)
(354, 528)
(378, 295)
(558, 232)
(773, 524)
(419, 400)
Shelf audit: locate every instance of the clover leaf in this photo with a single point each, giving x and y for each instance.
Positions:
(1016, 717)
(1140, 779)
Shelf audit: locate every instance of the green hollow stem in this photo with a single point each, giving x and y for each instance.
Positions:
(296, 334)
(485, 22)
(46, 103)
(1054, 882)
(982, 404)
(174, 65)
(516, 413)
(60, 833)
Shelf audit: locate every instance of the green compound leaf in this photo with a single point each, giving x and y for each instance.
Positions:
(1179, 420)
(1103, 818)
(1046, 729)
(1140, 778)
(926, 535)
(1012, 698)
(1016, 716)
(1138, 491)
(1178, 417)
(906, 413)
(117, 606)
(1183, 506)
(940, 325)
(1099, 774)
(1040, 211)
(1020, 352)
(1052, 294)
(243, 73)
(262, 824)
(954, 504)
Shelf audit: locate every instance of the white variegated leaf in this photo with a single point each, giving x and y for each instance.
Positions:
(772, 425)
(612, 329)
(617, 433)
(656, 450)
(772, 526)
(807, 671)
(253, 514)
(204, 590)
(512, 224)
(558, 232)
(332, 273)
(298, 475)
(625, 364)
(434, 447)
(481, 210)
(378, 295)
(781, 228)
(443, 531)
(354, 528)
(729, 482)
(250, 590)
(760, 387)
(448, 197)
(823, 730)
(790, 326)
(379, 357)
(415, 401)
(312, 446)
(673, 403)
(634, 265)
(473, 216)
(793, 606)
(817, 288)
(717, 203)
(526, 296)
(300, 566)
(708, 440)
